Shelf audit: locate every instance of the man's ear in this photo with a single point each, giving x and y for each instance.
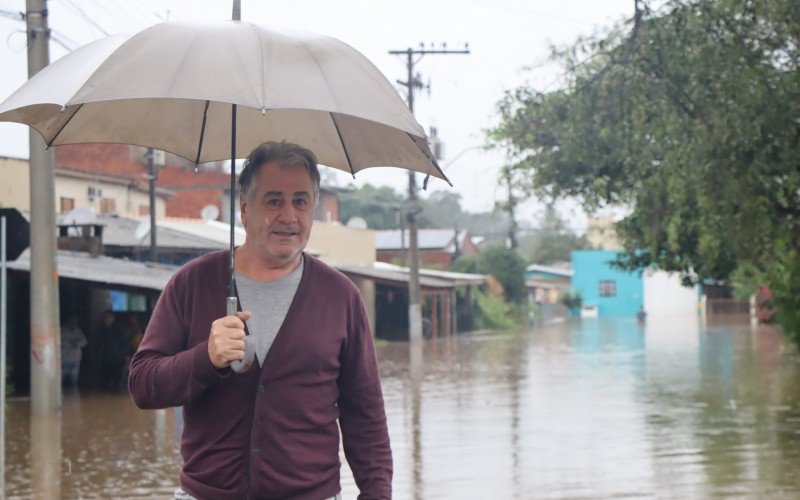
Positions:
(243, 210)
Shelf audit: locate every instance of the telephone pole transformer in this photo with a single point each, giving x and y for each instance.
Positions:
(411, 83)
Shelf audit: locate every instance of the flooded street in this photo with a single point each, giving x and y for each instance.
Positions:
(598, 408)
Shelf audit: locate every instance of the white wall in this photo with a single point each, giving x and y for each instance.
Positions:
(664, 295)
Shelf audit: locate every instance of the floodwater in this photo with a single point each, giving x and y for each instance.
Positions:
(581, 409)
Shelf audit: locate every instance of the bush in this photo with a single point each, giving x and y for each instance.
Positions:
(572, 300)
(492, 312)
(504, 264)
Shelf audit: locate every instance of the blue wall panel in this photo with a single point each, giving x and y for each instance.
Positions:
(591, 267)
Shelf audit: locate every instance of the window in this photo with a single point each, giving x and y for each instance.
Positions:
(67, 204)
(608, 288)
(108, 206)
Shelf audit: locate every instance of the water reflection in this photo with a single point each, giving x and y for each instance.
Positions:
(599, 408)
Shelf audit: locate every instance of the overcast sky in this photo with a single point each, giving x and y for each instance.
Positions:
(509, 42)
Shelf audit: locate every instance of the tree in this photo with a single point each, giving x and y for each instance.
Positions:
(688, 115)
(382, 208)
(554, 241)
(378, 206)
(504, 264)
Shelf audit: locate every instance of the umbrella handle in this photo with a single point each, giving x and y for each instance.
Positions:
(241, 365)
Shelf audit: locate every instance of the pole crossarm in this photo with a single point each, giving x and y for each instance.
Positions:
(412, 82)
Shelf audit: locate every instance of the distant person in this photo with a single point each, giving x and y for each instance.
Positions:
(113, 351)
(641, 315)
(72, 343)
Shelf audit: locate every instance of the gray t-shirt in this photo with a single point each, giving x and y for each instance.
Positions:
(269, 302)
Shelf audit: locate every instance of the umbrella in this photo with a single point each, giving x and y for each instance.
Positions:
(212, 91)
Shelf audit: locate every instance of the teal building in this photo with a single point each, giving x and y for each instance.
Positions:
(612, 291)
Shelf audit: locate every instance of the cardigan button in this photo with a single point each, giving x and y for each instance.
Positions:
(261, 388)
(256, 449)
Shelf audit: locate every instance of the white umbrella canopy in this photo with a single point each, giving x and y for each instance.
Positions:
(171, 87)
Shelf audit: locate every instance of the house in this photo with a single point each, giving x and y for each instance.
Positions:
(193, 188)
(601, 233)
(608, 291)
(545, 284)
(105, 193)
(438, 248)
(444, 313)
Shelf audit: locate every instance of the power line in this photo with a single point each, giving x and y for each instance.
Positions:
(91, 22)
(10, 14)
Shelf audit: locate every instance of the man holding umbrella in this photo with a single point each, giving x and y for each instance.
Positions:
(270, 431)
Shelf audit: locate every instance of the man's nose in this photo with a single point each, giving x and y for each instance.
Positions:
(287, 213)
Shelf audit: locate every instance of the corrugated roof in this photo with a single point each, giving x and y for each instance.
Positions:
(213, 230)
(427, 277)
(121, 231)
(106, 270)
(428, 239)
(555, 270)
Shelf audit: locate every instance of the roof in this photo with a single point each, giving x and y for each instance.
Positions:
(565, 272)
(214, 230)
(427, 239)
(429, 278)
(121, 231)
(106, 270)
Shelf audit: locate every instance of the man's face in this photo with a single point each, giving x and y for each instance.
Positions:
(279, 213)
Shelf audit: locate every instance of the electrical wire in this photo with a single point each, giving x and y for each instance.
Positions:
(91, 22)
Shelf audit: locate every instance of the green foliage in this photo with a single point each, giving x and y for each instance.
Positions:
(688, 114)
(572, 300)
(508, 268)
(376, 205)
(553, 241)
(492, 312)
(466, 264)
(381, 208)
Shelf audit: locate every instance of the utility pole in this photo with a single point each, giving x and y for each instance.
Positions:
(45, 334)
(511, 206)
(236, 15)
(414, 303)
(155, 159)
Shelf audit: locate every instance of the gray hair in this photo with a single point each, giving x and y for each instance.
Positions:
(287, 155)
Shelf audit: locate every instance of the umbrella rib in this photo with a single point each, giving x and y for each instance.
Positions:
(430, 159)
(50, 143)
(344, 146)
(202, 134)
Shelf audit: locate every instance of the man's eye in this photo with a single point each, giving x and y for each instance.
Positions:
(301, 202)
(273, 203)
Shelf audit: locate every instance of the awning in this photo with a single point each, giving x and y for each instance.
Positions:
(428, 278)
(106, 270)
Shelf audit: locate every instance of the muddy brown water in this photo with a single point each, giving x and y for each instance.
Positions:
(582, 409)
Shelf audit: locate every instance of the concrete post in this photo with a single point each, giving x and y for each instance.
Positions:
(45, 335)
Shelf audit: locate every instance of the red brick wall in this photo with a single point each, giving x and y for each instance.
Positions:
(193, 190)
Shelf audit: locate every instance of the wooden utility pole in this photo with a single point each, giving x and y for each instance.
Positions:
(414, 303)
(45, 334)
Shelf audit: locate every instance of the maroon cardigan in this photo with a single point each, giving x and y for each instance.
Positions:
(270, 432)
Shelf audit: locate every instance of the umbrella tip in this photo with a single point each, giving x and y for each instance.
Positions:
(196, 168)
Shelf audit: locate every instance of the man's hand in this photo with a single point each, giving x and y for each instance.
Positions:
(226, 342)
